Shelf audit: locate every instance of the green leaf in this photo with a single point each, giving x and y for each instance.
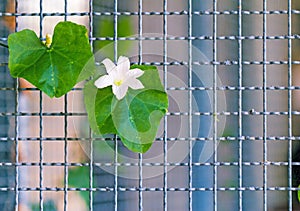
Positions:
(54, 70)
(298, 193)
(48, 205)
(135, 118)
(79, 177)
(106, 29)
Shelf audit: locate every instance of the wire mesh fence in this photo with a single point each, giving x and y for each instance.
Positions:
(230, 137)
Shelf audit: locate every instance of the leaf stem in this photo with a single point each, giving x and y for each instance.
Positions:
(3, 45)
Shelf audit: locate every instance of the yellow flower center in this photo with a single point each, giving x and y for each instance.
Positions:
(118, 82)
(48, 40)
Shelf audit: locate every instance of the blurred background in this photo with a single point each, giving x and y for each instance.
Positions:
(51, 142)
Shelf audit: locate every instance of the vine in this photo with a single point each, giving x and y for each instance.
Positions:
(129, 101)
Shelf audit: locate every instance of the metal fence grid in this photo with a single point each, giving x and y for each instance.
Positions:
(250, 46)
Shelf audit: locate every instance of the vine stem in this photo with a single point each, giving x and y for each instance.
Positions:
(3, 45)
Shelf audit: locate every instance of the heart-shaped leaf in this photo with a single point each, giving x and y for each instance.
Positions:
(135, 118)
(54, 70)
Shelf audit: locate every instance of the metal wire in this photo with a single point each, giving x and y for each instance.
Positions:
(206, 37)
(157, 13)
(116, 139)
(237, 66)
(140, 31)
(66, 172)
(154, 189)
(165, 150)
(190, 103)
(240, 131)
(215, 170)
(290, 182)
(91, 164)
(265, 151)
(185, 63)
(17, 128)
(41, 200)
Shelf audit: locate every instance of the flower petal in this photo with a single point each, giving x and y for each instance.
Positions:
(104, 81)
(120, 91)
(109, 65)
(134, 83)
(135, 73)
(123, 65)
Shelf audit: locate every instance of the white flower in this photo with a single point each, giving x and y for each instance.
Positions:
(120, 77)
